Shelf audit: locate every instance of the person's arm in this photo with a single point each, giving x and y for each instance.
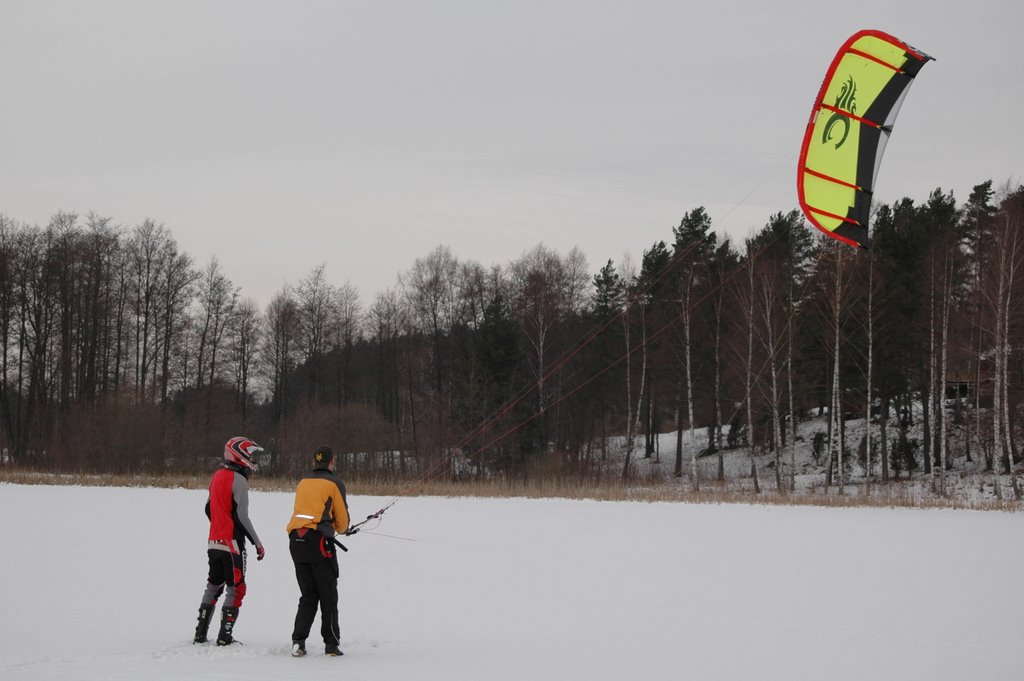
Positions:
(340, 504)
(240, 492)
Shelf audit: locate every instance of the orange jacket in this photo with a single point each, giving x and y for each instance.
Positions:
(320, 504)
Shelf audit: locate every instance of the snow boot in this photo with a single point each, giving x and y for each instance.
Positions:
(228, 615)
(298, 648)
(332, 649)
(203, 624)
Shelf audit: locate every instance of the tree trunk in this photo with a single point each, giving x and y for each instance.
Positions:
(678, 471)
(1011, 275)
(883, 435)
(694, 479)
(871, 349)
(791, 305)
(718, 389)
(997, 383)
(947, 302)
(837, 400)
(930, 424)
(629, 401)
(750, 374)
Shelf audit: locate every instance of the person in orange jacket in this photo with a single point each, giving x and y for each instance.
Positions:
(321, 511)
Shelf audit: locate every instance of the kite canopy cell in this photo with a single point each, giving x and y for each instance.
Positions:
(850, 124)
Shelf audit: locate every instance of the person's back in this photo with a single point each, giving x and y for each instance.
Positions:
(320, 512)
(320, 504)
(228, 510)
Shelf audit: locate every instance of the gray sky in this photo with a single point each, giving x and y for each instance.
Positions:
(278, 136)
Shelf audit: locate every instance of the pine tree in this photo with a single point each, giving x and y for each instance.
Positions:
(694, 244)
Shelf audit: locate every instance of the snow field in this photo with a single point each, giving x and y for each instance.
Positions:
(103, 583)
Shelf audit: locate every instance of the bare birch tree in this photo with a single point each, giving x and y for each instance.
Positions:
(315, 305)
(279, 348)
(244, 338)
(749, 383)
(694, 244)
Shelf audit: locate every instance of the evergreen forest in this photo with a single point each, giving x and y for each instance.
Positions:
(122, 354)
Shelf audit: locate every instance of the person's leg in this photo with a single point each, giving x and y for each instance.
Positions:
(308, 598)
(234, 568)
(214, 588)
(234, 577)
(325, 573)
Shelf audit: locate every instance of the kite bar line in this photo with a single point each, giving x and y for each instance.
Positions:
(389, 536)
(440, 467)
(671, 324)
(783, 160)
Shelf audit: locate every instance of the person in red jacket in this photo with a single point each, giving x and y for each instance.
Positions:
(228, 510)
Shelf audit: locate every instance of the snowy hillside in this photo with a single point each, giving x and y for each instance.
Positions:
(103, 583)
(967, 482)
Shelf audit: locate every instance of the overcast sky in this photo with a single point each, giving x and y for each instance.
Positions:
(279, 136)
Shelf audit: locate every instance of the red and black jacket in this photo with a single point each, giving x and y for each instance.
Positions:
(228, 510)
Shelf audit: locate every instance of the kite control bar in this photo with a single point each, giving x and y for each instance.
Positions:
(355, 528)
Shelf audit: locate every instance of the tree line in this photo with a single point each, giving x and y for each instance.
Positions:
(121, 354)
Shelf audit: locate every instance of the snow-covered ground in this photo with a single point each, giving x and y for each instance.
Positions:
(968, 483)
(103, 583)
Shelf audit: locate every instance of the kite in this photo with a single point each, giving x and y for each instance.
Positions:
(849, 127)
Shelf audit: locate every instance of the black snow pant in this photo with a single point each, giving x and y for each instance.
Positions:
(225, 568)
(316, 571)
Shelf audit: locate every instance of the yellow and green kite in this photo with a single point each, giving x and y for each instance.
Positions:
(850, 124)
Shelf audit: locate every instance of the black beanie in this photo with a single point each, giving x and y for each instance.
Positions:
(322, 457)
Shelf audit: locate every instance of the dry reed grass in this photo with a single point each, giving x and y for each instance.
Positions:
(881, 496)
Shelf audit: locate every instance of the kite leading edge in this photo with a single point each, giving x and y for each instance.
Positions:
(851, 121)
